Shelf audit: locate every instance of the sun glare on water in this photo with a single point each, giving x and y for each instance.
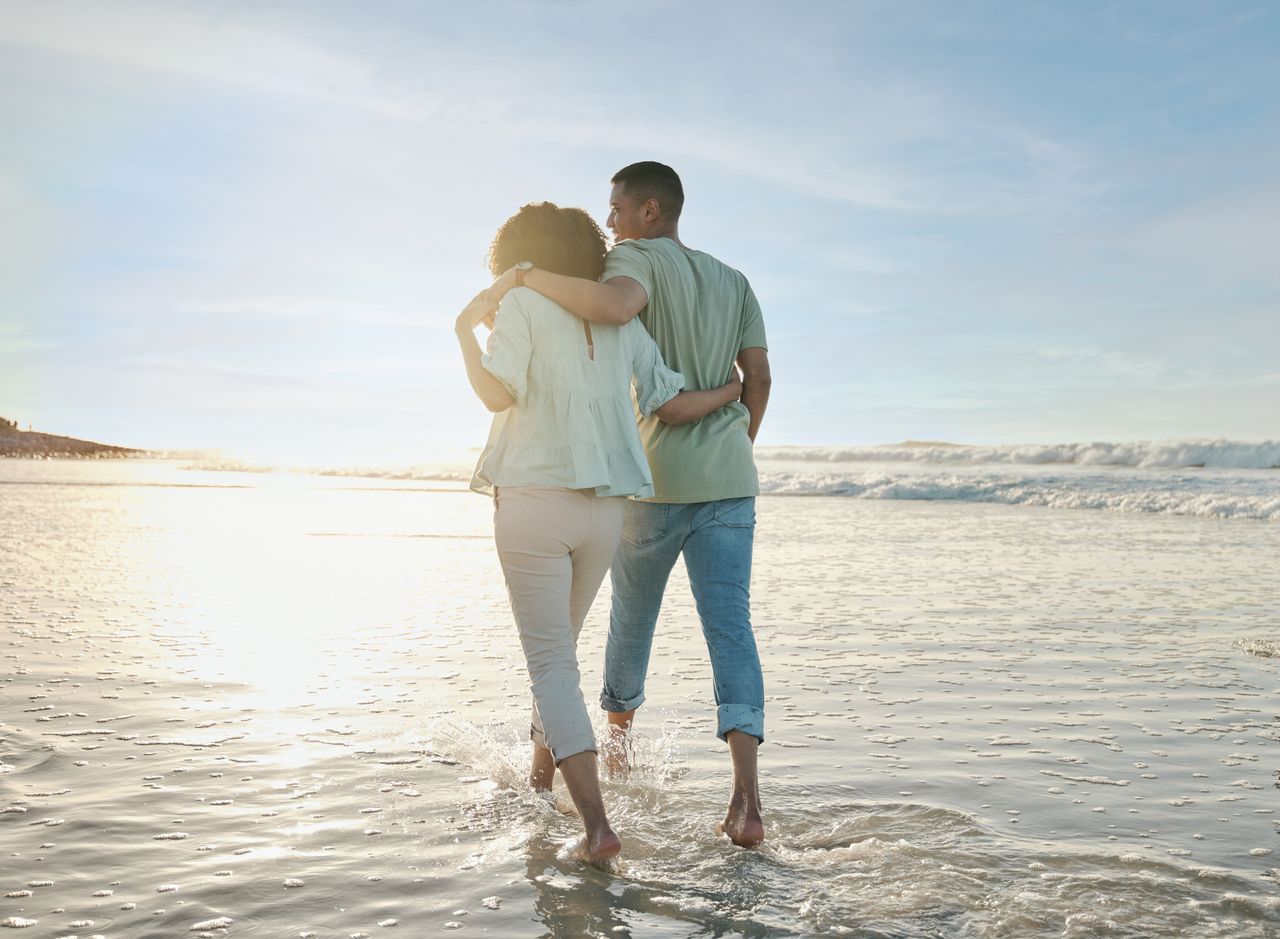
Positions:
(280, 586)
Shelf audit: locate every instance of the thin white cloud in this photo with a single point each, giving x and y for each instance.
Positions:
(1134, 24)
(317, 310)
(1087, 365)
(1233, 234)
(854, 156)
(200, 43)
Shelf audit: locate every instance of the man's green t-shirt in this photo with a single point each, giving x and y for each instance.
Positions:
(701, 313)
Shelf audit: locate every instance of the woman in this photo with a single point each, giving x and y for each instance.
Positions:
(562, 456)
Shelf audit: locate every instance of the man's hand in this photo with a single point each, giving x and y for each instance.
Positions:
(506, 280)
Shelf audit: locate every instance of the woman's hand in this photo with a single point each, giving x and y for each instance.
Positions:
(734, 385)
(488, 389)
(480, 310)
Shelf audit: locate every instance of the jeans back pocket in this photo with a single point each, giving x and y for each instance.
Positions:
(736, 513)
(645, 522)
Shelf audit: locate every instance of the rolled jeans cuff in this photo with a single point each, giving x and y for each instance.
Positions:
(743, 717)
(620, 705)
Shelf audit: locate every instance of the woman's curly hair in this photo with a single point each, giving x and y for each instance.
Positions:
(560, 240)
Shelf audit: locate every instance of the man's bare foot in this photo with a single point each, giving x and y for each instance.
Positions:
(617, 748)
(742, 824)
(597, 847)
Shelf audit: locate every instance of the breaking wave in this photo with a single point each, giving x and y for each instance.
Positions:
(1205, 478)
(1223, 454)
(1215, 497)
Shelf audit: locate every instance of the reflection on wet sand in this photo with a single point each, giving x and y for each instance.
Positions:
(983, 721)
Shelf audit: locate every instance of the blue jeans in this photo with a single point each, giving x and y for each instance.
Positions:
(715, 539)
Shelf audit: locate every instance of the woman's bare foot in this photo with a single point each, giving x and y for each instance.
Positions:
(742, 824)
(583, 782)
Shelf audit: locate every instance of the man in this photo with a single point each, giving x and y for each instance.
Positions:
(705, 318)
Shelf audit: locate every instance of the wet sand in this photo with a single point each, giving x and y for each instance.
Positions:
(263, 705)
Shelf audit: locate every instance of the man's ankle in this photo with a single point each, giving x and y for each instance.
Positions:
(620, 721)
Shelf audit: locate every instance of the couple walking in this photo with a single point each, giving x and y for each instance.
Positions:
(582, 485)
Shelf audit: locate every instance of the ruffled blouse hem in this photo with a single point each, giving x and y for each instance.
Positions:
(574, 466)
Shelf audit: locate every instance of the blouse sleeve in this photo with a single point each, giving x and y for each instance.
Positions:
(655, 383)
(510, 347)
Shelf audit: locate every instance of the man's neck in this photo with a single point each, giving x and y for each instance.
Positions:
(666, 231)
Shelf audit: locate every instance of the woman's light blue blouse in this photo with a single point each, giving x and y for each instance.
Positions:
(573, 423)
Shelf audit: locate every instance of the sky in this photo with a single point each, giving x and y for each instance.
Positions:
(250, 226)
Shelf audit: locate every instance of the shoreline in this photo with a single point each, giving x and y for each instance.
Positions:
(33, 445)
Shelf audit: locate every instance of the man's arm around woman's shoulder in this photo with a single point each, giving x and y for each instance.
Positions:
(615, 302)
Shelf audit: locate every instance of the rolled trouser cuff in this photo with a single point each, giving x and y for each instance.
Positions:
(585, 743)
(620, 705)
(575, 745)
(743, 717)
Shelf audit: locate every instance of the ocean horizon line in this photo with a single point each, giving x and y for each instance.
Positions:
(1188, 453)
(1154, 453)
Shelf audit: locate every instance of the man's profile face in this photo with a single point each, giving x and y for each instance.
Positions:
(626, 214)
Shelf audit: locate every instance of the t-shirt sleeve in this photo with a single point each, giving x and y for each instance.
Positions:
(752, 323)
(510, 347)
(655, 383)
(629, 260)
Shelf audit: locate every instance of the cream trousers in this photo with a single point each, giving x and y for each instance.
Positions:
(555, 546)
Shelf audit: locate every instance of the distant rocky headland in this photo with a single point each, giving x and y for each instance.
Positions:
(34, 445)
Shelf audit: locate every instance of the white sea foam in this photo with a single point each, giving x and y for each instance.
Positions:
(1225, 496)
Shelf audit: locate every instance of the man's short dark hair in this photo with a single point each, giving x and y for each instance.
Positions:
(650, 180)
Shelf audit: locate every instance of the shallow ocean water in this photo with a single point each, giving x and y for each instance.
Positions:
(278, 705)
